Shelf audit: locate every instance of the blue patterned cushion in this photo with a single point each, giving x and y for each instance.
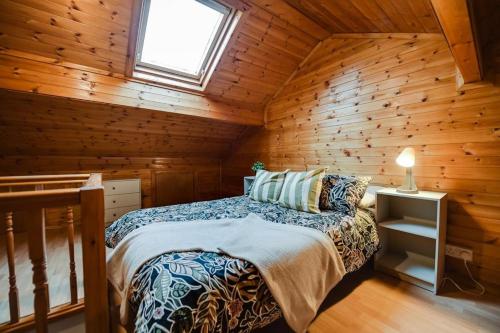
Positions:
(342, 193)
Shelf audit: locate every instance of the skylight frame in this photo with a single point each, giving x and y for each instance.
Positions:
(169, 76)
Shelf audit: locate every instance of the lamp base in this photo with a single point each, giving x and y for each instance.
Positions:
(407, 191)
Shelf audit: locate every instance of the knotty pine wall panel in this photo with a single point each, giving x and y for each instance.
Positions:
(65, 127)
(29, 73)
(264, 51)
(357, 102)
(205, 170)
(47, 135)
(271, 40)
(90, 33)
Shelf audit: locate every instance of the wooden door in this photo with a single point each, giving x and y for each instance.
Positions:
(172, 188)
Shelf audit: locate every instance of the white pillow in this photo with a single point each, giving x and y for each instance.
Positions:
(367, 201)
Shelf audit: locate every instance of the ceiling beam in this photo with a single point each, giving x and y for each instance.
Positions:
(320, 18)
(456, 22)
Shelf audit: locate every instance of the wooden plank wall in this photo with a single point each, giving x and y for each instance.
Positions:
(263, 52)
(359, 101)
(60, 126)
(41, 134)
(206, 172)
(89, 33)
(26, 72)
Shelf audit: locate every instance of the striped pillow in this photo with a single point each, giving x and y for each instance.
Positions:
(301, 190)
(267, 185)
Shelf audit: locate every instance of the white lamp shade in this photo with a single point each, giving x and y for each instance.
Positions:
(406, 158)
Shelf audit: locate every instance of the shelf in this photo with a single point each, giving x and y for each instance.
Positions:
(425, 195)
(413, 226)
(411, 264)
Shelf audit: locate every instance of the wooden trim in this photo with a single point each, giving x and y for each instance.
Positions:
(132, 36)
(50, 182)
(94, 260)
(59, 312)
(382, 35)
(39, 199)
(45, 178)
(455, 19)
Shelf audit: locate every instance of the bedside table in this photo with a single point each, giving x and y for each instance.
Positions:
(412, 230)
(120, 197)
(247, 183)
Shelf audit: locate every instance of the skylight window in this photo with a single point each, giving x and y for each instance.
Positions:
(180, 41)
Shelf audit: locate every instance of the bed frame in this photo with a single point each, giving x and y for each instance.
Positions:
(31, 195)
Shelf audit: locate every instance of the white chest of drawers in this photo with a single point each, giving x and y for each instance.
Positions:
(120, 197)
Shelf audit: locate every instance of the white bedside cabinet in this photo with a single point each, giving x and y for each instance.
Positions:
(120, 197)
(247, 183)
(412, 229)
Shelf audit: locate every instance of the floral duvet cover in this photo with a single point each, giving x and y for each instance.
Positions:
(210, 292)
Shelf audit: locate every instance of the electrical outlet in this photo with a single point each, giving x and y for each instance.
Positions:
(458, 252)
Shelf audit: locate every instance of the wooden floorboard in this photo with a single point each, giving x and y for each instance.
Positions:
(371, 302)
(362, 302)
(57, 271)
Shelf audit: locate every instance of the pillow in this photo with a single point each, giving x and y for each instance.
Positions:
(343, 193)
(367, 201)
(301, 190)
(267, 186)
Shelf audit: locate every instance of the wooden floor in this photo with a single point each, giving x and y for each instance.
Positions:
(57, 271)
(365, 302)
(382, 303)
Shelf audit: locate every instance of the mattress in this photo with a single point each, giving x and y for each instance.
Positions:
(210, 292)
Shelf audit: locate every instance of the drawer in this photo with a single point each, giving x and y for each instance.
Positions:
(112, 214)
(122, 200)
(122, 186)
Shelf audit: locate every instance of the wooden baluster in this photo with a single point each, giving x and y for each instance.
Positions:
(13, 292)
(36, 244)
(71, 247)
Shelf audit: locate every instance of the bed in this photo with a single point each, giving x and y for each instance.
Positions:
(207, 292)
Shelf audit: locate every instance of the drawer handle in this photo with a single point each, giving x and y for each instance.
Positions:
(114, 201)
(114, 188)
(114, 214)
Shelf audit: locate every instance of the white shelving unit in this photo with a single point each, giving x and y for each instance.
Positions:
(120, 197)
(247, 183)
(412, 229)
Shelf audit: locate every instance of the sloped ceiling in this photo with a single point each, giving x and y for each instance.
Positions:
(274, 37)
(32, 124)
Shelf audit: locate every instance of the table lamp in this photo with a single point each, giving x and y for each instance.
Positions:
(407, 159)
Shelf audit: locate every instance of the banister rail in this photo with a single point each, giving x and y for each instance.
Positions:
(45, 178)
(43, 182)
(90, 197)
(39, 199)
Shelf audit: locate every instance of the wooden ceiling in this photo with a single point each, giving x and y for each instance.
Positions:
(341, 16)
(32, 124)
(274, 37)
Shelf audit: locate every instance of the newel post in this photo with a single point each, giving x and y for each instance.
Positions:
(94, 258)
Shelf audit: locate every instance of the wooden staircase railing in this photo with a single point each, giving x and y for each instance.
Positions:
(90, 197)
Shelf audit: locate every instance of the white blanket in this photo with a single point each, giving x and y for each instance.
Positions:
(299, 265)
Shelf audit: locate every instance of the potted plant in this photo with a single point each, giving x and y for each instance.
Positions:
(258, 166)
